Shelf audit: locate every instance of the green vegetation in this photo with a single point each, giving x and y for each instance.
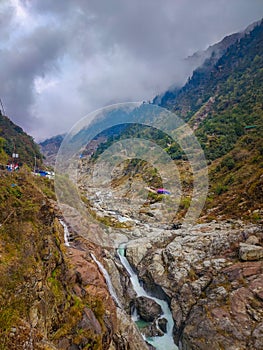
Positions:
(236, 181)
(17, 141)
(35, 273)
(229, 128)
(235, 84)
(3, 155)
(223, 101)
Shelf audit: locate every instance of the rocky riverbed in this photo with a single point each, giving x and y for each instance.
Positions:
(211, 274)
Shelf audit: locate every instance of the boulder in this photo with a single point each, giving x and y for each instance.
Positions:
(151, 331)
(252, 240)
(162, 323)
(248, 252)
(148, 309)
(89, 321)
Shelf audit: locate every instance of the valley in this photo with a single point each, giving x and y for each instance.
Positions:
(151, 234)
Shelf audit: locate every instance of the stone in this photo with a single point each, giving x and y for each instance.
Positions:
(33, 314)
(176, 312)
(73, 347)
(64, 344)
(214, 299)
(135, 253)
(249, 252)
(151, 331)
(238, 303)
(258, 336)
(147, 308)
(252, 240)
(162, 323)
(89, 321)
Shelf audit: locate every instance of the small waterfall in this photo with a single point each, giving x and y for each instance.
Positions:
(134, 315)
(108, 280)
(163, 342)
(66, 233)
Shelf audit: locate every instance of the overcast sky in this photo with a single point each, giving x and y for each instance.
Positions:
(60, 60)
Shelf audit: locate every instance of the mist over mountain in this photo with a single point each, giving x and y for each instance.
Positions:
(59, 63)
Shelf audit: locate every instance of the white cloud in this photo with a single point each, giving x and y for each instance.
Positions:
(61, 60)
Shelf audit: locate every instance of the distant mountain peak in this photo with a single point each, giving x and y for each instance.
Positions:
(50, 147)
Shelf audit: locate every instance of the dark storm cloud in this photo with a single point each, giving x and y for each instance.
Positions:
(154, 26)
(6, 18)
(86, 54)
(20, 65)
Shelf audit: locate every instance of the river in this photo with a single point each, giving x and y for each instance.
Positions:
(166, 341)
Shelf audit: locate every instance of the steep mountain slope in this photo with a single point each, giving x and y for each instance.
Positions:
(53, 295)
(223, 104)
(44, 299)
(50, 147)
(17, 141)
(210, 56)
(210, 78)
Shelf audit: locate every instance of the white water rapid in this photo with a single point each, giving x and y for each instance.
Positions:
(166, 341)
(108, 280)
(66, 233)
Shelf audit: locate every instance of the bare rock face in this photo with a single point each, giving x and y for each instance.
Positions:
(152, 331)
(127, 335)
(89, 321)
(57, 294)
(216, 299)
(250, 252)
(148, 309)
(162, 323)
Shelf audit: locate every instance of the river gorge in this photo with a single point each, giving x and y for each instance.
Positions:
(200, 283)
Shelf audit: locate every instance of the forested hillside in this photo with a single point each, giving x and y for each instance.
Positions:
(223, 104)
(220, 102)
(15, 140)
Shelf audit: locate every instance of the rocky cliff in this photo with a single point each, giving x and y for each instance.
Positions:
(51, 296)
(213, 277)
